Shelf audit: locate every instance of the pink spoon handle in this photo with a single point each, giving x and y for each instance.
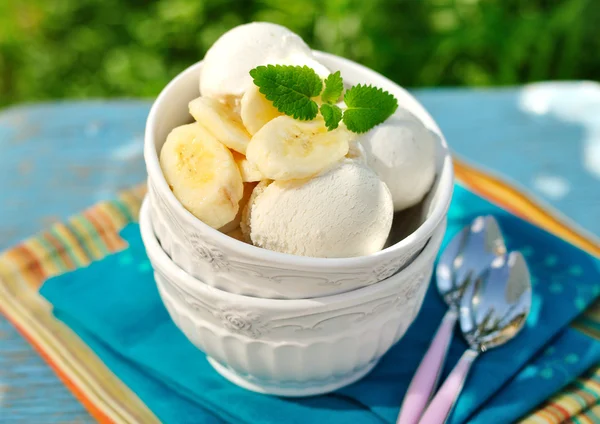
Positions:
(441, 405)
(425, 379)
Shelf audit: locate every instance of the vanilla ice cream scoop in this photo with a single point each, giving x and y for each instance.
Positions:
(225, 71)
(345, 212)
(401, 151)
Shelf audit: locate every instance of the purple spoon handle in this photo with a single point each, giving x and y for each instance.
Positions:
(425, 379)
(441, 405)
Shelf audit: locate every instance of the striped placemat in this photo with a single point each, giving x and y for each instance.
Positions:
(93, 234)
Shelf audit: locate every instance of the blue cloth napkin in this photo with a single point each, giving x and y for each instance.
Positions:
(113, 305)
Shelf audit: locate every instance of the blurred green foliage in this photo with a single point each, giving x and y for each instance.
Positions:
(98, 48)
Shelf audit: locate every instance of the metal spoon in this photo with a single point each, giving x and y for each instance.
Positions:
(492, 311)
(467, 255)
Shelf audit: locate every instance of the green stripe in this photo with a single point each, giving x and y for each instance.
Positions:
(67, 244)
(593, 416)
(80, 239)
(123, 209)
(587, 411)
(581, 386)
(576, 397)
(49, 252)
(93, 236)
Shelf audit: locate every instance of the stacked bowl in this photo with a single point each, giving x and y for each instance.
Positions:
(278, 323)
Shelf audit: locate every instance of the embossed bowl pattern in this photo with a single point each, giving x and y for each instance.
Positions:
(228, 264)
(292, 347)
(226, 269)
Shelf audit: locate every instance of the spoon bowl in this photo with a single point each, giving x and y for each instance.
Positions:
(491, 313)
(467, 255)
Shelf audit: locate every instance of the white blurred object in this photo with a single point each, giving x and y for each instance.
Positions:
(577, 102)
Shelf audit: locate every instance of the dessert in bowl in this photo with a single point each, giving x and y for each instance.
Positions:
(317, 223)
(292, 347)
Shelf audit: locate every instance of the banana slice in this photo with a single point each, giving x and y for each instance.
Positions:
(220, 120)
(249, 171)
(231, 226)
(202, 174)
(256, 110)
(286, 149)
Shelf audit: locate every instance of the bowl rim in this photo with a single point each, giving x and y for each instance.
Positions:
(159, 259)
(444, 179)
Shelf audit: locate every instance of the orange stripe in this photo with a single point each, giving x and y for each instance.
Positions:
(520, 204)
(110, 230)
(587, 397)
(546, 415)
(95, 412)
(32, 265)
(104, 222)
(21, 259)
(66, 233)
(559, 411)
(100, 228)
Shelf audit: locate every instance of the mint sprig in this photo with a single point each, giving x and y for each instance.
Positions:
(368, 106)
(291, 89)
(332, 114)
(334, 86)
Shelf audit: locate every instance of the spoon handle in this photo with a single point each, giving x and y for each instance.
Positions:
(440, 407)
(425, 379)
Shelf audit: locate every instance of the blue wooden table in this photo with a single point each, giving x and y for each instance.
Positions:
(60, 158)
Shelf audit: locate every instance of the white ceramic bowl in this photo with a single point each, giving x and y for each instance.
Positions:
(236, 267)
(292, 347)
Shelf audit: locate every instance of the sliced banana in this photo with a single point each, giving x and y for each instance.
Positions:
(286, 149)
(235, 223)
(221, 121)
(249, 170)
(202, 174)
(256, 110)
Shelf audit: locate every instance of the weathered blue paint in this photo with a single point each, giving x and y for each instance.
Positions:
(547, 140)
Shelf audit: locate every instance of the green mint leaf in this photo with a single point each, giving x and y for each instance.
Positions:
(334, 85)
(290, 89)
(332, 115)
(367, 106)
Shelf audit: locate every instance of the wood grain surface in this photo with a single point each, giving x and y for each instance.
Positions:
(58, 159)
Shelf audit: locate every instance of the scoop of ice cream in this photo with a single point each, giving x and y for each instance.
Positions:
(401, 151)
(345, 212)
(225, 71)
